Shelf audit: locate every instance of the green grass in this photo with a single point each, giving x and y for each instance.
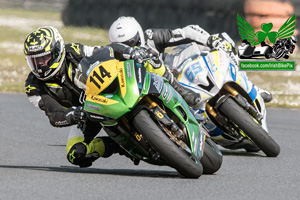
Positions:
(29, 14)
(16, 24)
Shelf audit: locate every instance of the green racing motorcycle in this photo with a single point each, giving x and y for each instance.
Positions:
(141, 112)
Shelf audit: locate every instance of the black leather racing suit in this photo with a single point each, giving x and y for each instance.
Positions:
(57, 96)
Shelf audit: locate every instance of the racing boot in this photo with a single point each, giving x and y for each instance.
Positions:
(192, 98)
(84, 154)
(266, 95)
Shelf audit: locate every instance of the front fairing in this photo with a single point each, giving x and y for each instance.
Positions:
(123, 99)
(207, 73)
(132, 83)
(210, 71)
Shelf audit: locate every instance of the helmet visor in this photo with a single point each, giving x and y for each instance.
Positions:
(135, 41)
(40, 63)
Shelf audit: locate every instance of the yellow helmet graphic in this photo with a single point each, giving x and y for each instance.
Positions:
(44, 52)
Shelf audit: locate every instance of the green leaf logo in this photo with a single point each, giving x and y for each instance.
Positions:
(266, 27)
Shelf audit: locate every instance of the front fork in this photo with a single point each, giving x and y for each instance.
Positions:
(178, 135)
(164, 119)
(231, 92)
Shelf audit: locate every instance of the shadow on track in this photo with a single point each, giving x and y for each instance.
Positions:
(242, 153)
(120, 172)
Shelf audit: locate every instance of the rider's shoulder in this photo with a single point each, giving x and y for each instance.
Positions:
(74, 48)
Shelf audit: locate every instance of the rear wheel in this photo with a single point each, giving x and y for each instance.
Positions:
(248, 125)
(212, 157)
(168, 150)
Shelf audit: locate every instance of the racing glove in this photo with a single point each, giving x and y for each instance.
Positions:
(154, 61)
(74, 116)
(144, 56)
(138, 54)
(218, 43)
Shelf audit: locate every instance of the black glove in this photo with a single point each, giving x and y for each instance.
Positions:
(76, 115)
(154, 55)
(141, 54)
(138, 54)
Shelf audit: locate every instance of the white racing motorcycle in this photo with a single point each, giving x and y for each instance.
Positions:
(235, 113)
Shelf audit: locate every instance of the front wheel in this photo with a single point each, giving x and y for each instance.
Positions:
(250, 127)
(168, 150)
(212, 157)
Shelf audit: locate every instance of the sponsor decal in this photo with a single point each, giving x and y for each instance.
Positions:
(121, 35)
(96, 117)
(92, 67)
(92, 107)
(109, 96)
(76, 48)
(128, 67)
(140, 75)
(165, 94)
(170, 96)
(99, 99)
(29, 88)
(35, 48)
(61, 123)
(122, 78)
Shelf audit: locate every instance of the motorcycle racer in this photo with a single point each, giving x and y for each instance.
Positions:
(51, 87)
(128, 31)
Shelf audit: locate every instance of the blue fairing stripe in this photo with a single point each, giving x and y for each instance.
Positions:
(189, 86)
(245, 79)
(253, 93)
(208, 67)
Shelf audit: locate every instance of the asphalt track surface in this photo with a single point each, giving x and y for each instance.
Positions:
(33, 165)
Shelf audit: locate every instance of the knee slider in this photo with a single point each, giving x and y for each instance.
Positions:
(77, 153)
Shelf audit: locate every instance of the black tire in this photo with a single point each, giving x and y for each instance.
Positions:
(168, 150)
(253, 130)
(279, 53)
(212, 157)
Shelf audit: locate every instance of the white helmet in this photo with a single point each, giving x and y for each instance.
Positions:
(128, 31)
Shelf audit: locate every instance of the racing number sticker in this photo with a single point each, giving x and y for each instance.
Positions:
(103, 73)
(192, 71)
(101, 76)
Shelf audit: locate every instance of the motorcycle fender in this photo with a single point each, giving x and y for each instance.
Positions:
(221, 100)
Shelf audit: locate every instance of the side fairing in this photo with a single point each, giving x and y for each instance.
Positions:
(125, 97)
(171, 99)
